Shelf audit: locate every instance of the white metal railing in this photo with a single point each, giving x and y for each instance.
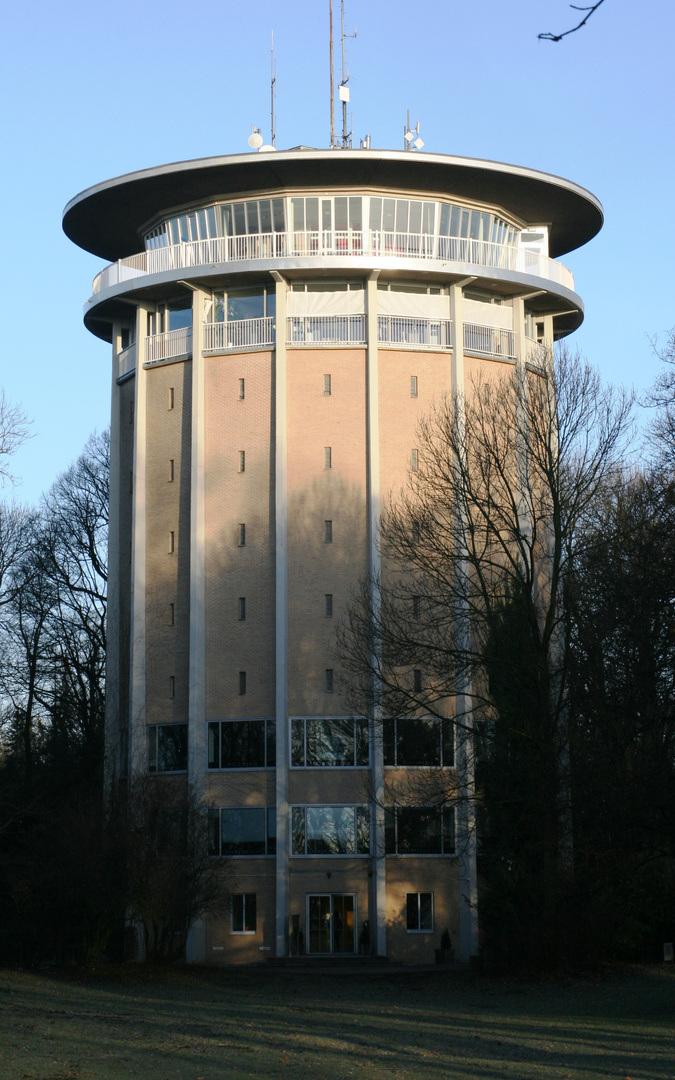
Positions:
(238, 334)
(491, 340)
(165, 346)
(409, 330)
(326, 330)
(126, 361)
(368, 242)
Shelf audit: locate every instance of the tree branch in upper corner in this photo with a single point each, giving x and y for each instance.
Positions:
(589, 10)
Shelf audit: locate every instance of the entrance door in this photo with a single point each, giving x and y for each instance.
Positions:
(331, 918)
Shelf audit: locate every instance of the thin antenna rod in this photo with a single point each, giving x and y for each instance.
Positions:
(332, 79)
(344, 92)
(344, 103)
(273, 90)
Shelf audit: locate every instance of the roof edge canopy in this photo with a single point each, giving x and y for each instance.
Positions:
(106, 219)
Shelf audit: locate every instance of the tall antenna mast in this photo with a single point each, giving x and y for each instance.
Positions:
(344, 89)
(273, 90)
(332, 79)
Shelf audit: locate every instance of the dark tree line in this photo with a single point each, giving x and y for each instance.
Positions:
(78, 862)
(528, 592)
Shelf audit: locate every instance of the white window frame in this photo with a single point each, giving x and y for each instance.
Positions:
(419, 929)
(240, 933)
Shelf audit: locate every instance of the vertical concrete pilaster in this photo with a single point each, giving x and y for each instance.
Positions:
(114, 767)
(195, 946)
(281, 622)
(466, 810)
(197, 675)
(137, 684)
(378, 919)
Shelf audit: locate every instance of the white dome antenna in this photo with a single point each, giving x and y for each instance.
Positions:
(255, 139)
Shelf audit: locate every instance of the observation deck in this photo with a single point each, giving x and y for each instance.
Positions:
(330, 213)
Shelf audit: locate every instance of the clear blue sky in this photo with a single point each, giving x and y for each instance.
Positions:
(94, 90)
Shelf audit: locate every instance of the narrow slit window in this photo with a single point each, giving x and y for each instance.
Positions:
(329, 680)
(172, 543)
(242, 535)
(172, 686)
(242, 608)
(417, 607)
(172, 614)
(329, 605)
(413, 385)
(417, 680)
(171, 398)
(171, 470)
(242, 390)
(242, 461)
(131, 483)
(327, 457)
(131, 412)
(328, 532)
(242, 682)
(415, 532)
(326, 386)
(414, 460)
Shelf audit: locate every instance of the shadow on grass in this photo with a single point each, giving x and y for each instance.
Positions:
(240, 1023)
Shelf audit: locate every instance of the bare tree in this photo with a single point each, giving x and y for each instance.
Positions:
(661, 434)
(14, 430)
(172, 878)
(475, 556)
(590, 9)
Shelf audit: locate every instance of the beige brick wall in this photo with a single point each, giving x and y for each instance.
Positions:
(232, 571)
(168, 510)
(412, 874)
(315, 495)
(400, 413)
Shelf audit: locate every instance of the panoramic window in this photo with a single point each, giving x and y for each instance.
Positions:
(242, 744)
(243, 913)
(167, 748)
(243, 830)
(419, 912)
(426, 740)
(330, 830)
(250, 303)
(325, 215)
(329, 742)
(419, 830)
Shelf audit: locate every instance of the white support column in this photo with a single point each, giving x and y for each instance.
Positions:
(195, 947)
(378, 920)
(113, 766)
(548, 333)
(138, 747)
(281, 623)
(197, 676)
(522, 349)
(466, 810)
(520, 341)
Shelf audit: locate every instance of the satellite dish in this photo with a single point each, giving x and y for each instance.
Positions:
(266, 148)
(255, 140)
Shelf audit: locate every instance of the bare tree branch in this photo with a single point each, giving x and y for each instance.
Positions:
(14, 430)
(576, 7)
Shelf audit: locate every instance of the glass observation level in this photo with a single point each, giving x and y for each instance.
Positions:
(333, 214)
(371, 226)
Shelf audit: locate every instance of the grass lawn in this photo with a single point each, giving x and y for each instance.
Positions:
(240, 1023)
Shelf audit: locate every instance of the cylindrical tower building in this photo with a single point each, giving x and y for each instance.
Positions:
(279, 323)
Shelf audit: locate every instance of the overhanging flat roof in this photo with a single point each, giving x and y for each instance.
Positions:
(106, 219)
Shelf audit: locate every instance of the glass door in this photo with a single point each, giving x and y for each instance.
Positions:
(318, 920)
(331, 919)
